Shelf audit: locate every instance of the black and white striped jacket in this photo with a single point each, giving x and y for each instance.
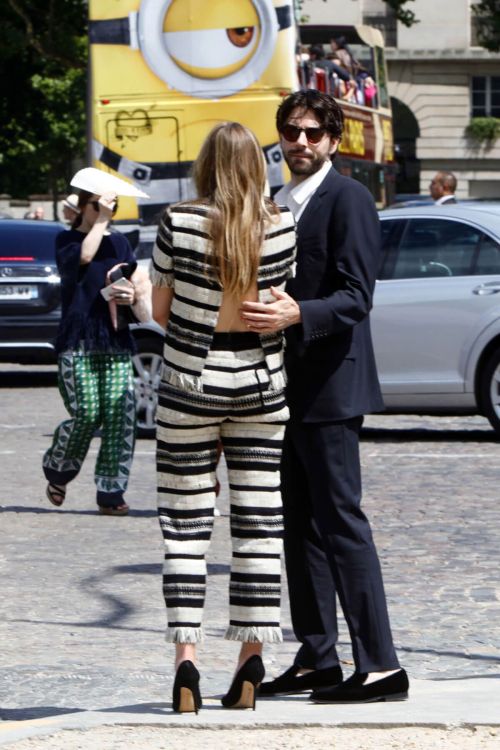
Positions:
(180, 261)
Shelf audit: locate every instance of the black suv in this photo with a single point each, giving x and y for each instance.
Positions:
(29, 291)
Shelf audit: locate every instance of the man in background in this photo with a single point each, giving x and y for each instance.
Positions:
(442, 188)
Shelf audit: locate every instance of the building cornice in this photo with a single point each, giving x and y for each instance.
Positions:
(471, 54)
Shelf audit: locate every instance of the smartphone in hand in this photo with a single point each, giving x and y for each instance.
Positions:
(126, 270)
(107, 291)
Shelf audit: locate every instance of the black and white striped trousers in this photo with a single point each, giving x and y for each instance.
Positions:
(237, 407)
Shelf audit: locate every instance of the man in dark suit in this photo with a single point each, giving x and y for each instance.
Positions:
(332, 382)
(442, 188)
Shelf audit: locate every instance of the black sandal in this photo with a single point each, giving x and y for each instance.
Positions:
(120, 509)
(56, 493)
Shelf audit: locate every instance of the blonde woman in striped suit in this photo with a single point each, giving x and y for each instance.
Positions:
(224, 384)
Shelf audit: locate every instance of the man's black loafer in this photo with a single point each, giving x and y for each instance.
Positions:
(291, 681)
(391, 688)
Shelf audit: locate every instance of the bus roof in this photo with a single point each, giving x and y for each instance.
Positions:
(317, 33)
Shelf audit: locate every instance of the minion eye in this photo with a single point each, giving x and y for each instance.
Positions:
(208, 49)
(241, 37)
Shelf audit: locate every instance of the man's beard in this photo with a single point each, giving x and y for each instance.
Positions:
(298, 164)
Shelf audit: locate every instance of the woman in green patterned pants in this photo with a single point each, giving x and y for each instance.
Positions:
(95, 367)
(97, 390)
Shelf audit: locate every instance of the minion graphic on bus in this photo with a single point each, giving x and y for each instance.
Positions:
(164, 72)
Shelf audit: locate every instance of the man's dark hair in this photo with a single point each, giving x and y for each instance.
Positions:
(324, 106)
(317, 50)
(340, 41)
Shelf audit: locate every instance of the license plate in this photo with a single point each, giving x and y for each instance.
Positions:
(11, 292)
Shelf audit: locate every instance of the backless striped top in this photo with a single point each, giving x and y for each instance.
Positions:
(180, 261)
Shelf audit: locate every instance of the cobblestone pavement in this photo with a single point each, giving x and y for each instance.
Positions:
(303, 738)
(83, 615)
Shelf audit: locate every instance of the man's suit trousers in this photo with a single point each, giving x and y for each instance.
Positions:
(330, 550)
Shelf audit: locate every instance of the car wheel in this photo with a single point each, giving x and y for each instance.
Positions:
(147, 364)
(490, 390)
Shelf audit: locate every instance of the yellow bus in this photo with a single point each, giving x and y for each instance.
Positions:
(163, 72)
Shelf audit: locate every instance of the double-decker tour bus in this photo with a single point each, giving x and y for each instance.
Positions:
(366, 151)
(164, 72)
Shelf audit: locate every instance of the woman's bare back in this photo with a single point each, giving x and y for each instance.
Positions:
(229, 312)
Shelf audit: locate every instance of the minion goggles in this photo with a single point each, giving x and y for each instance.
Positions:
(190, 45)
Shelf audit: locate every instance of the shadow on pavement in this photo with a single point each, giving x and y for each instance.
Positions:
(140, 708)
(28, 379)
(466, 677)
(139, 569)
(36, 712)
(428, 435)
(454, 654)
(97, 625)
(214, 569)
(33, 509)
(155, 708)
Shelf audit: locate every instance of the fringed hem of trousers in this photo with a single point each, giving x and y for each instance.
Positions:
(246, 634)
(254, 634)
(184, 635)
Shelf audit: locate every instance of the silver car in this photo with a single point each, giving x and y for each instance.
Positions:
(435, 321)
(436, 313)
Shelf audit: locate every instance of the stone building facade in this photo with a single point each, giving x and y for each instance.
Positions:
(438, 78)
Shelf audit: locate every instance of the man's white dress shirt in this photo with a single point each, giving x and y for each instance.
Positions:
(443, 199)
(296, 197)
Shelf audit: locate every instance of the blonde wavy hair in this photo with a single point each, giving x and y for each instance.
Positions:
(230, 175)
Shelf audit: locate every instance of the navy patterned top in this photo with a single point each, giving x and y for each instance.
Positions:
(86, 320)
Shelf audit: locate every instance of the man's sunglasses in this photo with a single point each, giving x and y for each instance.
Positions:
(95, 206)
(292, 133)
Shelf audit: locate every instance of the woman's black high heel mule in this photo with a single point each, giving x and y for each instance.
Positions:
(186, 694)
(245, 686)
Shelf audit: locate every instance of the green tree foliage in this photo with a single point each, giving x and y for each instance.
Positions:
(407, 17)
(488, 28)
(483, 131)
(43, 51)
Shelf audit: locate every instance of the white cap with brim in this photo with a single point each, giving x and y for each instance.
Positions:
(98, 182)
(71, 201)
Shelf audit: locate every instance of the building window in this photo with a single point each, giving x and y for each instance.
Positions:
(387, 23)
(485, 96)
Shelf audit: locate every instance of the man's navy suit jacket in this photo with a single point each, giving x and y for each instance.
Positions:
(329, 357)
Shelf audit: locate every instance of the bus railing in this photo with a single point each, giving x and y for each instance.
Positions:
(362, 92)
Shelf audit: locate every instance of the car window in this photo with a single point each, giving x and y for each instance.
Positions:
(488, 257)
(436, 247)
(28, 242)
(391, 231)
(144, 249)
